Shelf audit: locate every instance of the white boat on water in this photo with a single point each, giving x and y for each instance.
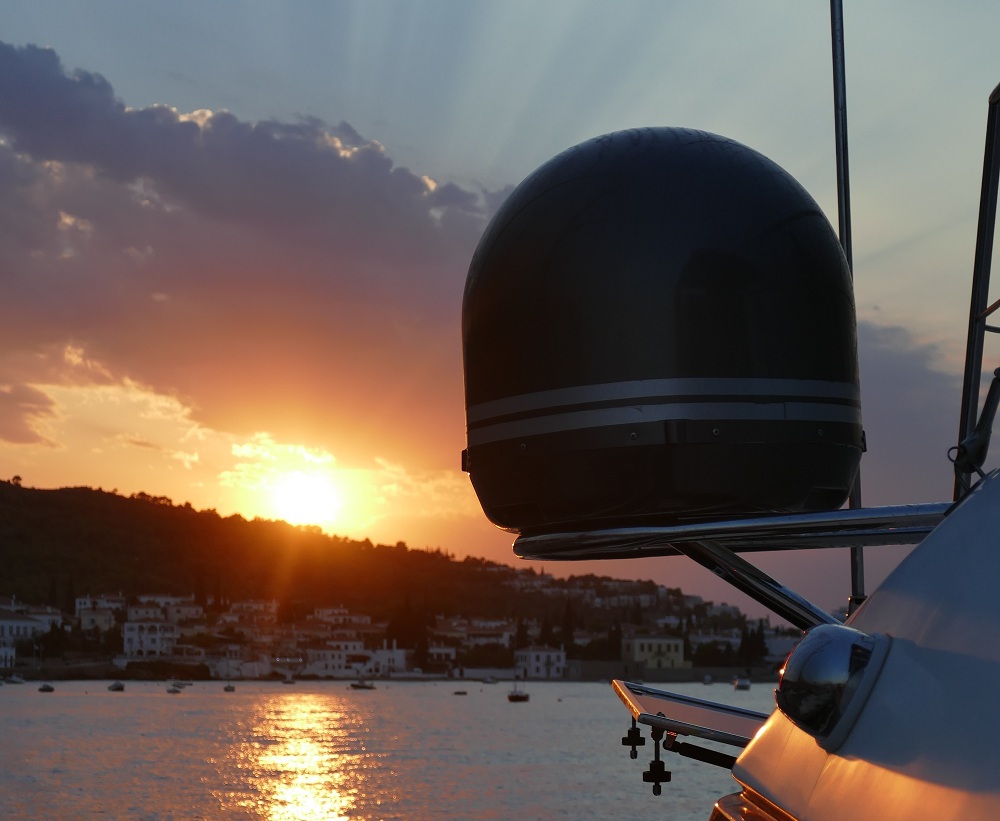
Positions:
(741, 683)
(660, 402)
(14, 678)
(117, 687)
(363, 684)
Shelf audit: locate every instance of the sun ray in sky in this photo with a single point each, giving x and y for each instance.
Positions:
(228, 281)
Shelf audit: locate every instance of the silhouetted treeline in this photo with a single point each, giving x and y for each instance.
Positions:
(59, 544)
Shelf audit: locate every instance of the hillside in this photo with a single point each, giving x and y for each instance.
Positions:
(56, 544)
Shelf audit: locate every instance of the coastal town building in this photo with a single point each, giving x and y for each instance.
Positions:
(163, 601)
(337, 659)
(258, 609)
(51, 616)
(144, 612)
(106, 601)
(442, 654)
(341, 617)
(98, 618)
(20, 626)
(182, 612)
(387, 661)
(148, 639)
(15, 627)
(540, 662)
(464, 634)
(655, 652)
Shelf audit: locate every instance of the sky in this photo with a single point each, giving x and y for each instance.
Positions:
(234, 235)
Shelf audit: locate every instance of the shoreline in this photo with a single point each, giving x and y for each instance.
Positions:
(166, 671)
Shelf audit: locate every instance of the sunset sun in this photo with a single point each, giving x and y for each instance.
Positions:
(303, 498)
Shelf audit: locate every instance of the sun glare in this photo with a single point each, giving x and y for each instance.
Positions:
(303, 498)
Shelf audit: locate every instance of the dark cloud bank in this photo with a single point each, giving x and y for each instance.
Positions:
(254, 269)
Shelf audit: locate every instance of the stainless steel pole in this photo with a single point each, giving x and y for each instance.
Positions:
(844, 214)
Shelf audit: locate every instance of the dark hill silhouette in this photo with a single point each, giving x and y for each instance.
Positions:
(56, 544)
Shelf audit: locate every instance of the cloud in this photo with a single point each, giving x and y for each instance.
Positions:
(910, 406)
(276, 276)
(21, 410)
(291, 178)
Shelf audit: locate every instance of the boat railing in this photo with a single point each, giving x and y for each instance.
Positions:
(716, 545)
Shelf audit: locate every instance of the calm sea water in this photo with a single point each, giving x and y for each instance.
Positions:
(319, 750)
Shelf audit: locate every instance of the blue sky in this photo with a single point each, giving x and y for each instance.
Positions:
(161, 382)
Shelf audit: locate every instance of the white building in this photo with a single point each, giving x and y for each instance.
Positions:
(482, 633)
(52, 616)
(669, 622)
(723, 610)
(259, 608)
(341, 658)
(97, 618)
(341, 617)
(387, 660)
(442, 654)
(16, 627)
(145, 612)
(163, 601)
(105, 601)
(183, 611)
(149, 639)
(656, 652)
(540, 662)
(20, 626)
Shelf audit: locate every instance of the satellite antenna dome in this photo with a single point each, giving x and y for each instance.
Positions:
(659, 325)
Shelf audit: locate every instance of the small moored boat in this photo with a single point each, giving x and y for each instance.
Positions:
(517, 694)
(46, 688)
(117, 687)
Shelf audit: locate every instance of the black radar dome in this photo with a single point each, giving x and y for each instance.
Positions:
(659, 324)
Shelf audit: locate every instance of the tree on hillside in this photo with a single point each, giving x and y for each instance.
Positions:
(521, 638)
(745, 653)
(407, 627)
(69, 600)
(615, 636)
(546, 636)
(568, 626)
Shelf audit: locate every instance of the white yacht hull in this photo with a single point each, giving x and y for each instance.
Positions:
(924, 743)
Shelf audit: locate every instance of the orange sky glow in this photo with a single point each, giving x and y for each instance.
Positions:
(259, 312)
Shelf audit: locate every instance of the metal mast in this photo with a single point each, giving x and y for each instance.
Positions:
(844, 214)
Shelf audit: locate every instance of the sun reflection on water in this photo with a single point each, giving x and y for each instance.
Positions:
(298, 756)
